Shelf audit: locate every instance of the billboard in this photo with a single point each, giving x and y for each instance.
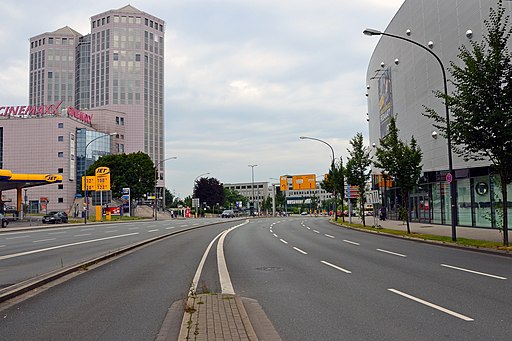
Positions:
(301, 182)
(385, 101)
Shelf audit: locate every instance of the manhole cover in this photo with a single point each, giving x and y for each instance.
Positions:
(270, 268)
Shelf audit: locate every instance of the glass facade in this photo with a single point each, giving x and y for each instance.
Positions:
(479, 199)
(90, 146)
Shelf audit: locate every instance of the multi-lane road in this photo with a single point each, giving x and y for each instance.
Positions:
(314, 280)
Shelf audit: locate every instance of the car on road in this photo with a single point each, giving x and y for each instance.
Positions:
(55, 217)
(3, 220)
(228, 214)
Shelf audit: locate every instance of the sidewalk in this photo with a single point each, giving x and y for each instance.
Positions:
(438, 230)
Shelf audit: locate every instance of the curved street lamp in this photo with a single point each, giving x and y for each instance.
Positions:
(332, 166)
(85, 173)
(453, 201)
(156, 181)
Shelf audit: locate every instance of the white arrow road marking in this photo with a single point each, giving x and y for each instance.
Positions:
(432, 305)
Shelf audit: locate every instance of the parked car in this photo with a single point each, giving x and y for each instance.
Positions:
(55, 217)
(3, 221)
(228, 214)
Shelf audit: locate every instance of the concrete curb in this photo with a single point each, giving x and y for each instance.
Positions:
(504, 253)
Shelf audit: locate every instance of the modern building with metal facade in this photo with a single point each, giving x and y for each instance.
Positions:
(400, 80)
(83, 87)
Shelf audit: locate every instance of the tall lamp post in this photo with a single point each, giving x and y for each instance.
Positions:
(85, 173)
(253, 201)
(156, 181)
(195, 180)
(451, 178)
(333, 171)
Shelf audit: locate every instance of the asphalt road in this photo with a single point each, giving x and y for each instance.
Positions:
(25, 254)
(316, 281)
(125, 299)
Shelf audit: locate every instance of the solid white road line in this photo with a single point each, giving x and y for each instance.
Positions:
(63, 246)
(336, 267)
(224, 279)
(432, 305)
(391, 253)
(283, 241)
(472, 271)
(350, 242)
(299, 250)
(329, 236)
(43, 240)
(195, 280)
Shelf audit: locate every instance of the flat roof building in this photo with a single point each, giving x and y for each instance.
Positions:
(82, 87)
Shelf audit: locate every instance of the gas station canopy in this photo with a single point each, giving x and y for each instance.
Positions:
(8, 180)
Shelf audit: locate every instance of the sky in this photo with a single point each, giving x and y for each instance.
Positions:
(244, 79)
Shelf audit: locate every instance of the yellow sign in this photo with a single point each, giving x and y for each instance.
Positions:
(90, 181)
(50, 178)
(301, 182)
(103, 179)
(283, 183)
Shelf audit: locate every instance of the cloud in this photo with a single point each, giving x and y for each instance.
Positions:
(243, 79)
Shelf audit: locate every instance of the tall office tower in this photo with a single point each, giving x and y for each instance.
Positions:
(83, 73)
(52, 68)
(127, 76)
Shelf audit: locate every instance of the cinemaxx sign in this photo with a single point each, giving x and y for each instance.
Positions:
(29, 111)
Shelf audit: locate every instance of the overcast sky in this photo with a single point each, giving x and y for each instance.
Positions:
(243, 78)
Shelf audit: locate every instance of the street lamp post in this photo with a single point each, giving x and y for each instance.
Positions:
(85, 173)
(156, 181)
(253, 201)
(453, 187)
(333, 172)
(195, 180)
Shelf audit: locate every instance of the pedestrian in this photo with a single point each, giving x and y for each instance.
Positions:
(383, 213)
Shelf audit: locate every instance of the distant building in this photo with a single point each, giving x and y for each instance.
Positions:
(80, 88)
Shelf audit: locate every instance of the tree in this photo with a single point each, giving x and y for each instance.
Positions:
(400, 161)
(481, 103)
(335, 179)
(135, 170)
(209, 191)
(358, 169)
(231, 197)
(169, 199)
